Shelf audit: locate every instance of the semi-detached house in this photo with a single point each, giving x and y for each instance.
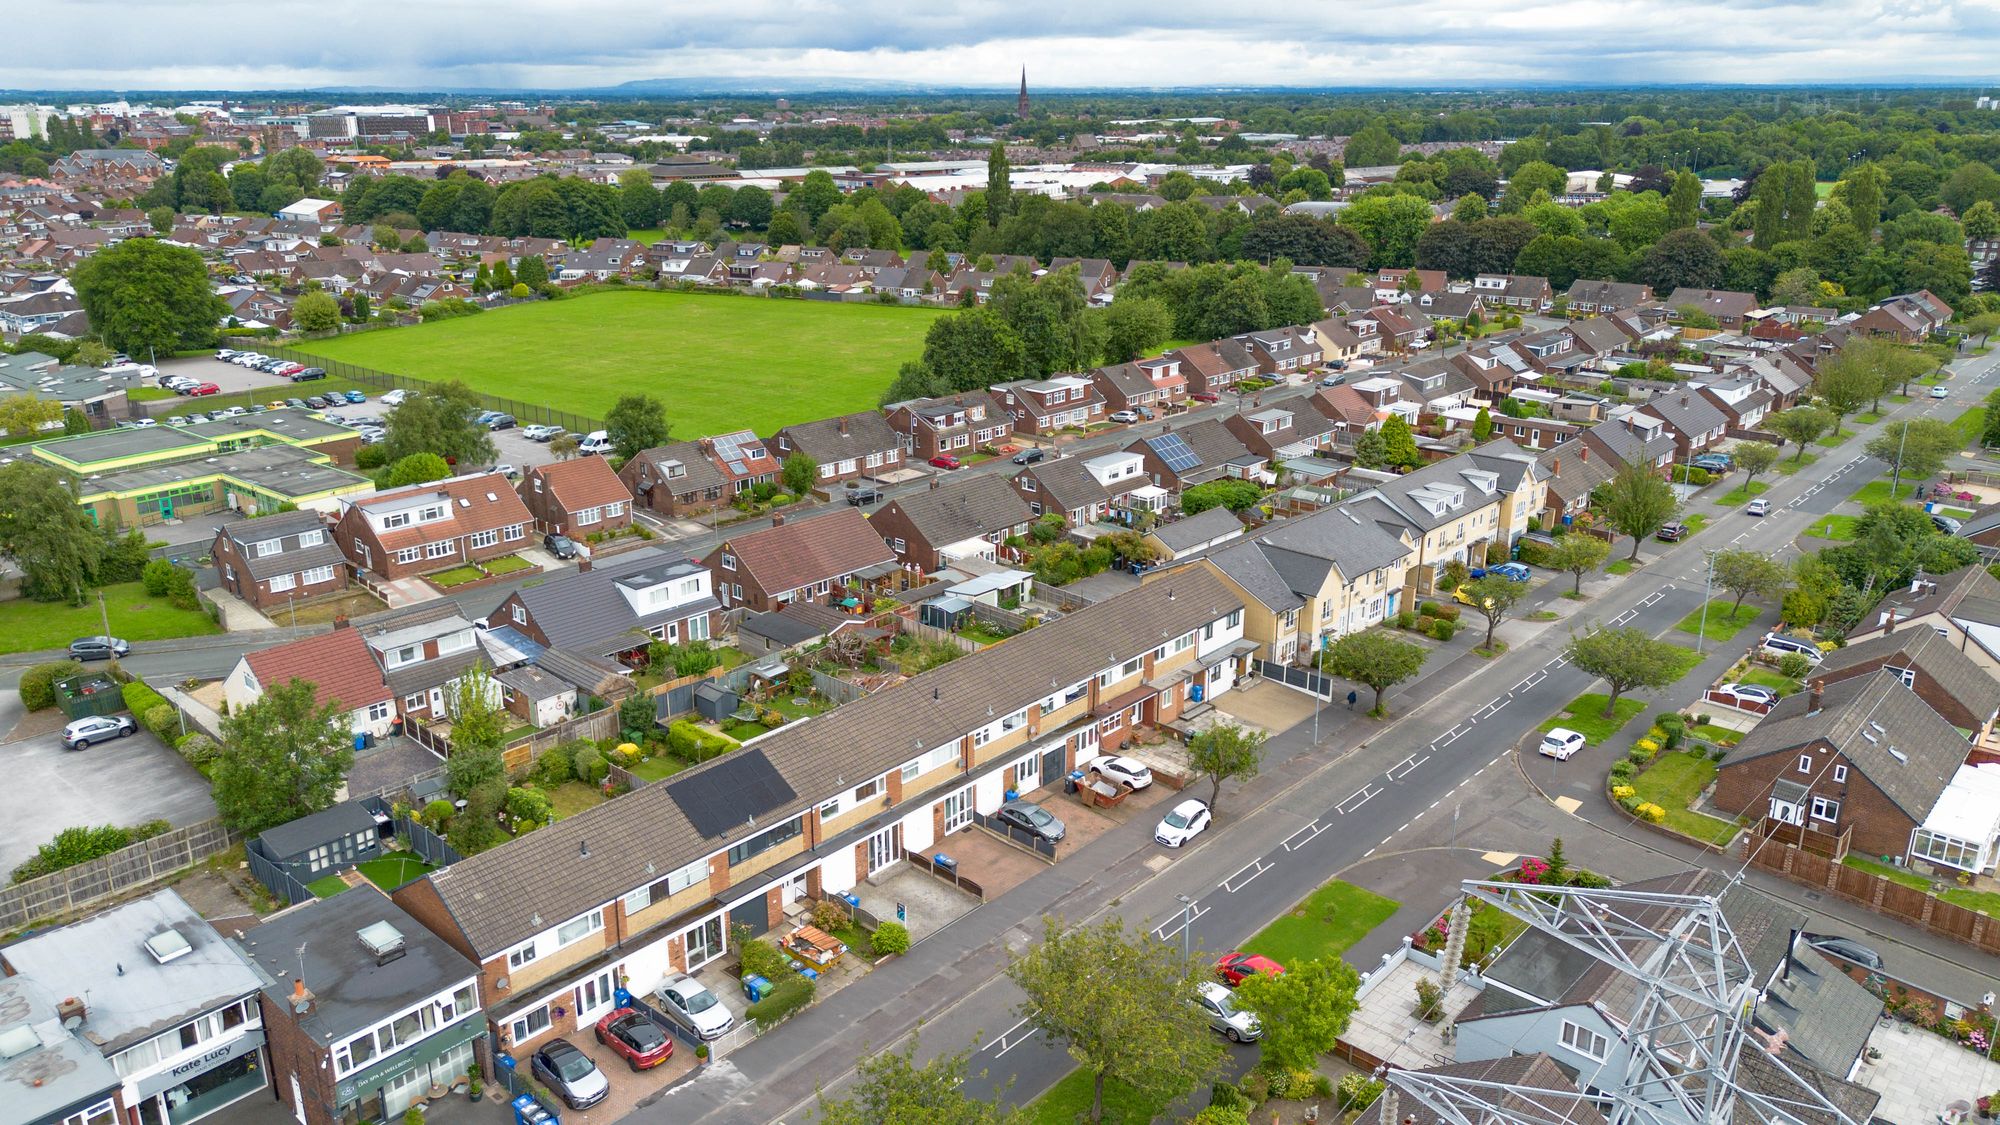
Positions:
(425, 527)
(652, 883)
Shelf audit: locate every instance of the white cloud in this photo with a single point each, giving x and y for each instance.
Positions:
(142, 44)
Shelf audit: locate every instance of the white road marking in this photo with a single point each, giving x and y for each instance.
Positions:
(1182, 921)
(1005, 1041)
(1365, 793)
(1309, 831)
(1255, 867)
(1407, 765)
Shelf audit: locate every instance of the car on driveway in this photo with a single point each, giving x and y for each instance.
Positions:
(1233, 967)
(561, 546)
(80, 733)
(1182, 823)
(1206, 396)
(687, 1003)
(636, 1039)
(1847, 949)
(1758, 507)
(1946, 524)
(98, 648)
(1124, 771)
(1511, 571)
(1029, 456)
(1714, 462)
(1740, 694)
(863, 496)
(946, 461)
(1671, 533)
(1219, 1004)
(561, 1066)
(1032, 818)
(1125, 416)
(1561, 743)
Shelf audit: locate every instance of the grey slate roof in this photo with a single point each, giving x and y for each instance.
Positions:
(585, 670)
(1758, 1073)
(1543, 1093)
(1197, 529)
(1064, 484)
(1936, 656)
(826, 442)
(314, 829)
(496, 907)
(585, 610)
(1864, 718)
(1826, 1015)
(291, 558)
(1688, 412)
(700, 473)
(967, 508)
(1250, 567)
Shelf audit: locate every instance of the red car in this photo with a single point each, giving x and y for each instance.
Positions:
(204, 389)
(635, 1037)
(1233, 967)
(1206, 396)
(946, 461)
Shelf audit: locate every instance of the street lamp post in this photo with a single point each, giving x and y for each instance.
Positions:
(1187, 925)
(1707, 580)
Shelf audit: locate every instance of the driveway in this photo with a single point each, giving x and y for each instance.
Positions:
(125, 782)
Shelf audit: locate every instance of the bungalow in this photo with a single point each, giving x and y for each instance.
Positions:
(1513, 291)
(844, 448)
(1066, 487)
(965, 519)
(1147, 384)
(1695, 423)
(340, 667)
(578, 497)
(279, 558)
(617, 608)
(686, 478)
(955, 423)
(1176, 459)
(1726, 307)
(1451, 305)
(1907, 318)
(1046, 406)
(796, 561)
(1954, 686)
(1191, 535)
(425, 527)
(1594, 298)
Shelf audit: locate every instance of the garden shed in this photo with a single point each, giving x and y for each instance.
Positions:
(948, 612)
(330, 840)
(715, 700)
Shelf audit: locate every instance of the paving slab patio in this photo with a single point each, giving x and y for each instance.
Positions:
(1920, 1073)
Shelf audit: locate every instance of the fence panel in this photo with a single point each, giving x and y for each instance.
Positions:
(275, 878)
(835, 688)
(61, 892)
(1019, 837)
(527, 413)
(933, 633)
(1298, 679)
(425, 842)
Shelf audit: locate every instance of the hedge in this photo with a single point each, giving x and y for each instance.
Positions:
(38, 684)
(152, 711)
(72, 846)
(789, 992)
(692, 744)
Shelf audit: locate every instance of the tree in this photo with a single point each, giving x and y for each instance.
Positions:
(1744, 573)
(1133, 327)
(1135, 1021)
(999, 194)
(563, 446)
(145, 296)
(282, 757)
(316, 311)
(1636, 503)
(893, 1089)
(1684, 201)
(1371, 449)
(162, 219)
(1981, 222)
(1982, 325)
(477, 724)
(1233, 493)
(1390, 225)
(417, 468)
(1304, 1010)
(45, 534)
(533, 272)
(1852, 378)
(635, 423)
(1225, 751)
(1374, 658)
(1916, 449)
(1399, 445)
(1482, 425)
(440, 421)
(1801, 425)
(1754, 457)
(1577, 553)
(1306, 241)
(1371, 146)
(21, 415)
(1492, 597)
(1682, 258)
(1861, 190)
(798, 472)
(1625, 658)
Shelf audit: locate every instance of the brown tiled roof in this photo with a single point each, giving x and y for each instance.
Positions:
(803, 552)
(338, 664)
(581, 482)
(477, 503)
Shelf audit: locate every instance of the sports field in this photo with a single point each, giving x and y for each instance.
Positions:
(719, 363)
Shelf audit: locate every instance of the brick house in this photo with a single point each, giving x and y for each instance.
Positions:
(847, 447)
(420, 528)
(967, 518)
(957, 424)
(340, 667)
(1930, 665)
(1066, 486)
(280, 558)
(617, 608)
(798, 561)
(576, 497)
(1217, 367)
(1155, 384)
(687, 478)
(1907, 318)
(1513, 291)
(1044, 406)
(1727, 306)
(1593, 298)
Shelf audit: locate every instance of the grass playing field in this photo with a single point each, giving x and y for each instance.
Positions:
(719, 363)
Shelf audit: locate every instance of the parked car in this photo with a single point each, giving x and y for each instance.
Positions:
(1029, 456)
(562, 1067)
(1511, 571)
(561, 546)
(296, 403)
(354, 396)
(540, 433)
(1233, 967)
(1847, 949)
(696, 1008)
(144, 423)
(201, 389)
(236, 411)
(1777, 646)
(1671, 533)
(288, 369)
(864, 496)
(595, 442)
(1714, 462)
(1946, 524)
(1219, 1004)
(1182, 823)
(500, 422)
(395, 397)
(306, 374)
(98, 648)
(1740, 694)
(507, 470)
(1561, 744)
(1206, 396)
(946, 461)
(635, 1038)
(1333, 380)
(80, 733)
(1032, 818)
(1940, 392)
(315, 402)
(225, 353)
(1758, 507)
(177, 420)
(1126, 416)
(1124, 771)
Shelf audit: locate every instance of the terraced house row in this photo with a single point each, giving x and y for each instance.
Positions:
(652, 883)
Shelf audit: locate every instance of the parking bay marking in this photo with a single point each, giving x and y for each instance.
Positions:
(1309, 831)
(1255, 868)
(1364, 794)
(1006, 1041)
(1182, 921)
(1407, 766)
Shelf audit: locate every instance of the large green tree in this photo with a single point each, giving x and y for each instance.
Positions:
(1304, 1010)
(634, 423)
(146, 297)
(1917, 448)
(1747, 573)
(1579, 554)
(892, 1088)
(1374, 658)
(1625, 658)
(45, 534)
(1133, 327)
(282, 757)
(1225, 751)
(1636, 503)
(316, 311)
(22, 415)
(1493, 597)
(1801, 425)
(440, 421)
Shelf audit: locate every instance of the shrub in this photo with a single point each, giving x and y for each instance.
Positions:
(1795, 665)
(38, 684)
(370, 457)
(1621, 771)
(1430, 999)
(437, 814)
(555, 766)
(163, 720)
(1428, 609)
(1213, 1114)
(1449, 611)
(829, 915)
(529, 804)
(1358, 1091)
(72, 846)
(1406, 620)
(155, 577)
(1639, 755)
(761, 958)
(1623, 792)
(892, 937)
(1651, 812)
(1443, 627)
(198, 749)
(140, 699)
(591, 767)
(789, 993)
(1227, 1096)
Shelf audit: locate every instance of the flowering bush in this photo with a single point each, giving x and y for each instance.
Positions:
(1620, 792)
(1532, 870)
(1648, 745)
(1652, 812)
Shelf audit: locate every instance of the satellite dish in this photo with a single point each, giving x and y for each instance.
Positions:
(501, 984)
(72, 1022)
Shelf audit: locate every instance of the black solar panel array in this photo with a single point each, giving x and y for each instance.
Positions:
(725, 796)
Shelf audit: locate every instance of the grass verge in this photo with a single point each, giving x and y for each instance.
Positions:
(1621, 567)
(1324, 924)
(1067, 1101)
(1721, 623)
(1672, 782)
(1877, 492)
(1986, 902)
(30, 626)
(1840, 528)
(1742, 494)
(1585, 715)
(1788, 466)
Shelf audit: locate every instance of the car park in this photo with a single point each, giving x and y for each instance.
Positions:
(1233, 967)
(864, 496)
(296, 403)
(354, 396)
(1182, 823)
(288, 369)
(946, 461)
(1126, 416)
(541, 433)
(636, 1039)
(1940, 392)
(1219, 1004)
(562, 1067)
(1740, 694)
(80, 733)
(561, 546)
(144, 423)
(1125, 771)
(1671, 533)
(1777, 647)
(225, 353)
(500, 422)
(1758, 507)
(177, 420)
(695, 1008)
(98, 648)
(1033, 819)
(1847, 949)
(1561, 744)
(1029, 456)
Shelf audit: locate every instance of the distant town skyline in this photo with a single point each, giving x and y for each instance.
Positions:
(498, 44)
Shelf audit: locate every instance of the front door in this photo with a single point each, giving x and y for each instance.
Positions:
(1052, 765)
(1086, 745)
(437, 703)
(1785, 812)
(886, 847)
(593, 996)
(704, 943)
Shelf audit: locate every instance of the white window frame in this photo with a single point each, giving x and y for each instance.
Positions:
(282, 582)
(515, 531)
(444, 548)
(1805, 763)
(592, 922)
(1839, 773)
(1580, 1040)
(486, 538)
(1826, 809)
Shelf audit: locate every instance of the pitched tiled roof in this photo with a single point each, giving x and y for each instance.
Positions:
(1537, 1090)
(1884, 729)
(338, 664)
(1064, 483)
(803, 552)
(967, 508)
(291, 558)
(579, 483)
(1938, 657)
(476, 502)
(587, 610)
(847, 437)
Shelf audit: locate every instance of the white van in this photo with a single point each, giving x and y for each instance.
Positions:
(1776, 646)
(596, 441)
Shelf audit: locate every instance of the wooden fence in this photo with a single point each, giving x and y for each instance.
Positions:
(1883, 896)
(933, 633)
(64, 892)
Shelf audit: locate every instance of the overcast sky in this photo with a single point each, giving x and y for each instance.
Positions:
(432, 44)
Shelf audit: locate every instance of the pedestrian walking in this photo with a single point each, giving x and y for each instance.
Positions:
(1351, 697)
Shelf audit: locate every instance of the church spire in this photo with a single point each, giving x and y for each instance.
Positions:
(1021, 103)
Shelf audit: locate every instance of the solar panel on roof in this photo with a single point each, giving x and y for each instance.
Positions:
(1174, 452)
(740, 786)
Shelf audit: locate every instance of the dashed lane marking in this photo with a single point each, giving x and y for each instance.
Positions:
(1240, 880)
(1407, 766)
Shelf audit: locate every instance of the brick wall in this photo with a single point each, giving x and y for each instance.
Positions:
(1880, 826)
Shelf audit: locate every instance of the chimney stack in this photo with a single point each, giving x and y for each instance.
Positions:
(842, 421)
(1556, 467)
(1812, 702)
(72, 1008)
(778, 520)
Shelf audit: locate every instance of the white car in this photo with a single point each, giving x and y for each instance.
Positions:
(144, 423)
(1187, 820)
(1124, 771)
(1125, 416)
(395, 397)
(1747, 693)
(540, 433)
(1219, 1004)
(1561, 743)
(687, 1003)
(1759, 507)
(1940, 392)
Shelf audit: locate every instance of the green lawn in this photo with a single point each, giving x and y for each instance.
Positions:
(507, 564)
(1585, 715)
(149, 394)
(395, 869)
(327, 886)
(1971, 424)
(1833, 441)
(1620, 567)
(647, 237)
(1742, 494)
(1328, 921)
(1720, 623)
(1672, 782)
(1788, 466)
(1720, 736)
(659, 767)
(1877, 492)
(29, 626)
(1986, 902)
(572, 797)
(1868, 417)
(1765, 677)
(719, 363)
(1068, 1100)
(456, 576)
(1694, 522)
(1834, 527)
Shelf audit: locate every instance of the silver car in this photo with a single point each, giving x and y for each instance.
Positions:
(80, 733)
(1219, 1005)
